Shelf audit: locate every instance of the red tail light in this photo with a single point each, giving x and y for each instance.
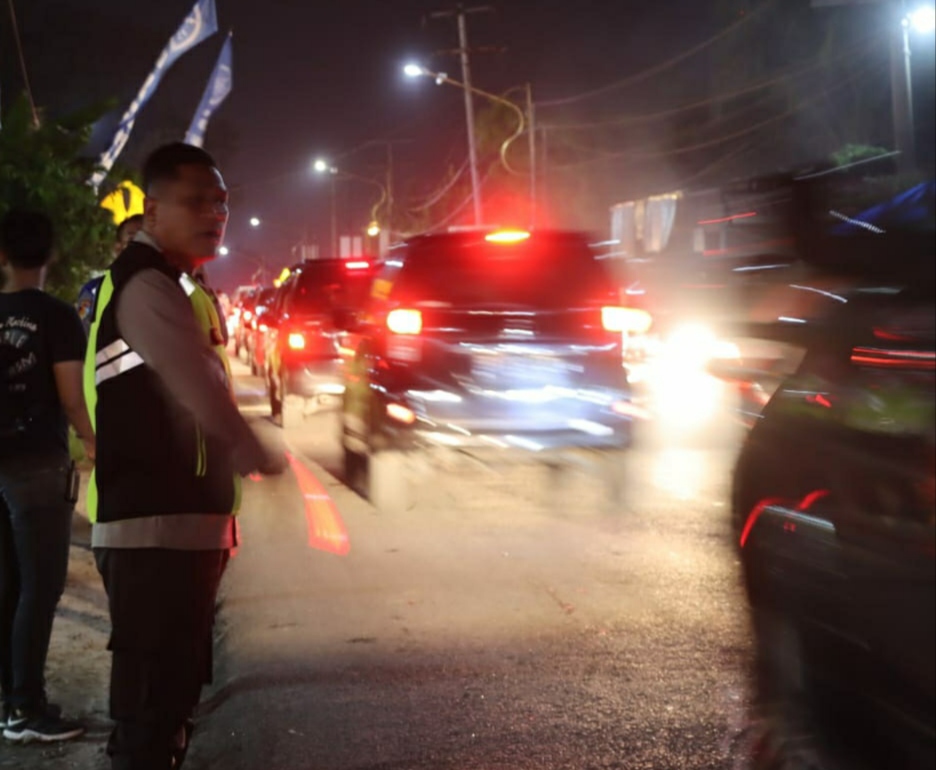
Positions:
(296, 341)
(247, 315)
(404, 321)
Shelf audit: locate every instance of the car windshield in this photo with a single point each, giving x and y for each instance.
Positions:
(332, 286)
(553, 272)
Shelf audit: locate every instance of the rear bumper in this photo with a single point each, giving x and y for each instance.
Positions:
(315, 379)
(565, 421)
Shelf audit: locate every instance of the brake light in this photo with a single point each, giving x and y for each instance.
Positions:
(404, 321)
(625, 319)
(357, 264)
(296, 341)
(247, 315)
(507, 236)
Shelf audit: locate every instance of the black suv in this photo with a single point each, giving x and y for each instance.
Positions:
(486, 341)
(307, 337)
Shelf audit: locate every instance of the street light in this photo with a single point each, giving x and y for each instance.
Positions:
(255, 221)
(322, 166)
(921, 20)
(523, 119)
(224, 251)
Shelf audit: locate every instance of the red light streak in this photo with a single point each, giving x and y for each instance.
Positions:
(731, 218)
(807, 502)
(755, 514)
(818, 398)
(327, 531)
(804, 505)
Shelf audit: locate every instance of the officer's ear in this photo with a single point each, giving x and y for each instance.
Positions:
(150, 207)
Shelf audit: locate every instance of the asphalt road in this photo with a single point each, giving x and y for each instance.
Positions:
(501, 624)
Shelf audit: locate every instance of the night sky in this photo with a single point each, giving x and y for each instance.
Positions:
(324, 79)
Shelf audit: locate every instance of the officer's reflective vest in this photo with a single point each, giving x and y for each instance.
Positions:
(159, 480)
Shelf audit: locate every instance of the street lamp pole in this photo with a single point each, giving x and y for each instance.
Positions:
(469, 117)
(322, 166)
(902, 92)
(524, 121)
(334, 212)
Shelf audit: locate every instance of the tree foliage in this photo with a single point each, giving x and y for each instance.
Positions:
(42, 168)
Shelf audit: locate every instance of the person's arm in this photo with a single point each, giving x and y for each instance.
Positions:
(68, 383)
(67, 343)
(156, 320)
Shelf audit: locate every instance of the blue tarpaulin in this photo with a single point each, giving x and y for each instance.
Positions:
(911, 210)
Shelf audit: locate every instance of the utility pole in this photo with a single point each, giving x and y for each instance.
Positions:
(461, 13)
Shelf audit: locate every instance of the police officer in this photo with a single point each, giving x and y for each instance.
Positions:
(171, 448)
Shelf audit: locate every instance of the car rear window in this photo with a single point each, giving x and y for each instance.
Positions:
(553, 272)
(326, 287)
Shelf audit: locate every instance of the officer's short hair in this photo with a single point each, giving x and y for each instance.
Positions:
(26, 238)
(163, 163)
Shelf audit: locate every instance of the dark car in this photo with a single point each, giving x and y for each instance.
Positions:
(306, 339)
(505, 342)
(835, 518)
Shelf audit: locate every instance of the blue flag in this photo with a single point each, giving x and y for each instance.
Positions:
(200, 24)
(219, 86)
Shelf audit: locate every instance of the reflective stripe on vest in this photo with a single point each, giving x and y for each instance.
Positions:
(126, 362)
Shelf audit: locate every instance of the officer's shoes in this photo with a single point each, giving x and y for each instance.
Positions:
(45, 726)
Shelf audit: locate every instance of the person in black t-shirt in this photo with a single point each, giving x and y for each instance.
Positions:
(41, 355)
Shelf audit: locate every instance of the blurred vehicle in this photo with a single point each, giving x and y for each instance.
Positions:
(501, 342)
(254, 337)
(241, 317)
(834, 510)
(306, 339)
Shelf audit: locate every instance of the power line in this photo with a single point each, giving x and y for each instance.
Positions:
(22, 61)
(637, 77)
(437, 196)
(719, 140)
(625, 120)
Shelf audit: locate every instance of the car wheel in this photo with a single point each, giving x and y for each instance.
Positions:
(788, 733)
(389, 486)
(277, 393)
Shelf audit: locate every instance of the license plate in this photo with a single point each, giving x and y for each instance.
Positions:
(515, 371)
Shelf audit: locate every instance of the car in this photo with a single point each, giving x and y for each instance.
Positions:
(306, 339)
(486, 341)
(834, 507)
